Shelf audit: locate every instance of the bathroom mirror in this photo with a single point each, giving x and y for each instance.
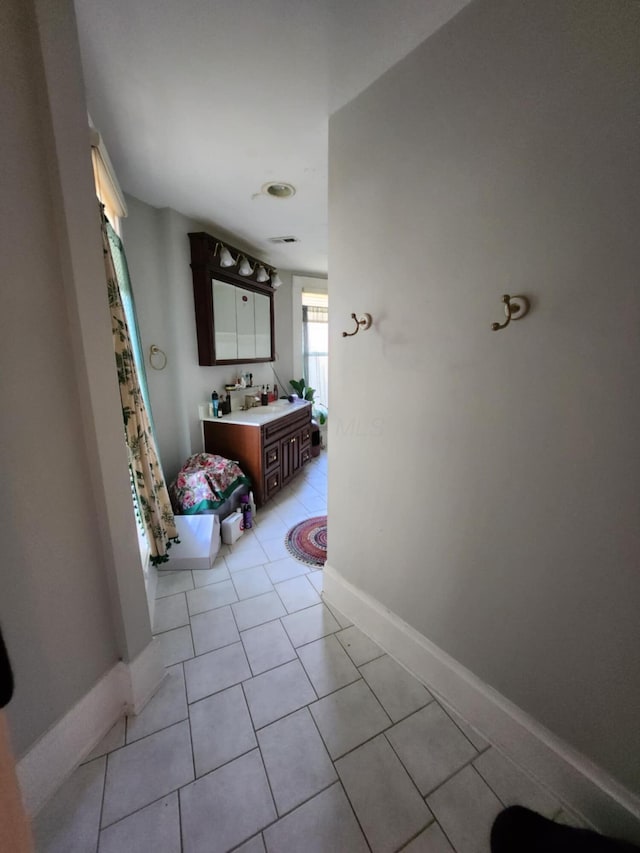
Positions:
(234, 313)
(241, 323)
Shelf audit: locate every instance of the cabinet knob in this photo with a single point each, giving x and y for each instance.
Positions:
(293, 441)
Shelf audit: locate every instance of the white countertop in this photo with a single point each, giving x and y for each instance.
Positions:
(258, 415)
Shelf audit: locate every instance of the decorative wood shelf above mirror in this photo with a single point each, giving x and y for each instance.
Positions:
(234, 312)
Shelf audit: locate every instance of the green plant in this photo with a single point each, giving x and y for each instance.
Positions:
(304, 391)
(319, 412)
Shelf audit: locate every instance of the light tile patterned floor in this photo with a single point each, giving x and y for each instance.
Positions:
(281, 727)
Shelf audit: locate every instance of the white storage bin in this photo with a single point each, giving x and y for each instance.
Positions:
(199, 543)
(232, 528)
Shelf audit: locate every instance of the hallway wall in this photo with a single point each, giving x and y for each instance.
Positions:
(73, 600)
(497, 472)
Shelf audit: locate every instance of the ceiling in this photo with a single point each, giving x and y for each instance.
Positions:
(201, 102)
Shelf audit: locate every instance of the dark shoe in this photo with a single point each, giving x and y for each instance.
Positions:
(519, 830)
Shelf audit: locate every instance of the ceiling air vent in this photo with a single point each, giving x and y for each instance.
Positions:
(283, 240)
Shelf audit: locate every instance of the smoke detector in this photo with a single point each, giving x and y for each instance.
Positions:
(278, 189)
(288, 239)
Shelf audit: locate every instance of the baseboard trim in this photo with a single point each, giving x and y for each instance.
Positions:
(572, 777)
(151, 586)
(125, 688)
(52, 758)
(143, 677)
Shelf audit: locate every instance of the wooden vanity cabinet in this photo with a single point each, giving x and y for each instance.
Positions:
(271, 454)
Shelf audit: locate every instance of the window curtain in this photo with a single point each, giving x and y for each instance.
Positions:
(315, 325)
(147, 477)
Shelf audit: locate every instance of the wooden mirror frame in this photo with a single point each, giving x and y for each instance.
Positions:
(205, 266)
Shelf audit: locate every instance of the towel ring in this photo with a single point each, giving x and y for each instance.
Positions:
(154, 350)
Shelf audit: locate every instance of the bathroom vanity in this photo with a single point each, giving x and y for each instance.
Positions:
(271, 443)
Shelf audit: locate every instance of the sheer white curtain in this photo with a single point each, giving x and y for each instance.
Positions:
(315, 343)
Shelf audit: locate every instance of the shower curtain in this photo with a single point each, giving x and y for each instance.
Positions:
(148, 480)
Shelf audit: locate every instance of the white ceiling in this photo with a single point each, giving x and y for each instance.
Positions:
(201, 102)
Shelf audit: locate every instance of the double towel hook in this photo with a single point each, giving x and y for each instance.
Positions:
(515, 307)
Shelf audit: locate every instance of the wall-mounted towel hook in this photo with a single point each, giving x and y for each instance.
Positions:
(154, 350)
(515, 307)
(364, 322)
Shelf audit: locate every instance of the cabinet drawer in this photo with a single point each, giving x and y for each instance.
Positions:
(305, 435)
(271, 456)
(305, 455)
(289, 423)
(272, 484)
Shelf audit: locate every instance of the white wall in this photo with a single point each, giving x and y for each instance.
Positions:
(498, 471)
(285, 342)
(158, 255)
(71, 602)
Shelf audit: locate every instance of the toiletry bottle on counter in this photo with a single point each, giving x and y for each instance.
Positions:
(214, 403)
(264, 397)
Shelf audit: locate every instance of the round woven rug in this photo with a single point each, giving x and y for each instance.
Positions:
(307, 541)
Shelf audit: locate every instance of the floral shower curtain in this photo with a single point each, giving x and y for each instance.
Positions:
(148, 479)
(126, 296)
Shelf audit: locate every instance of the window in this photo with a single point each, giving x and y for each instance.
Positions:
(315, 343)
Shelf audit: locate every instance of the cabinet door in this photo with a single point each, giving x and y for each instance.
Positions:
(224, 308)
(290, 454)
(215, 306)
(285, 459)
(246, 324)
(294, 444)
(263, 325)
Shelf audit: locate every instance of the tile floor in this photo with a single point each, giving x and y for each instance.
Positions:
(281, 727)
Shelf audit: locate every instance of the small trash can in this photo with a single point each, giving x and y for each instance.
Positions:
(315, 438)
